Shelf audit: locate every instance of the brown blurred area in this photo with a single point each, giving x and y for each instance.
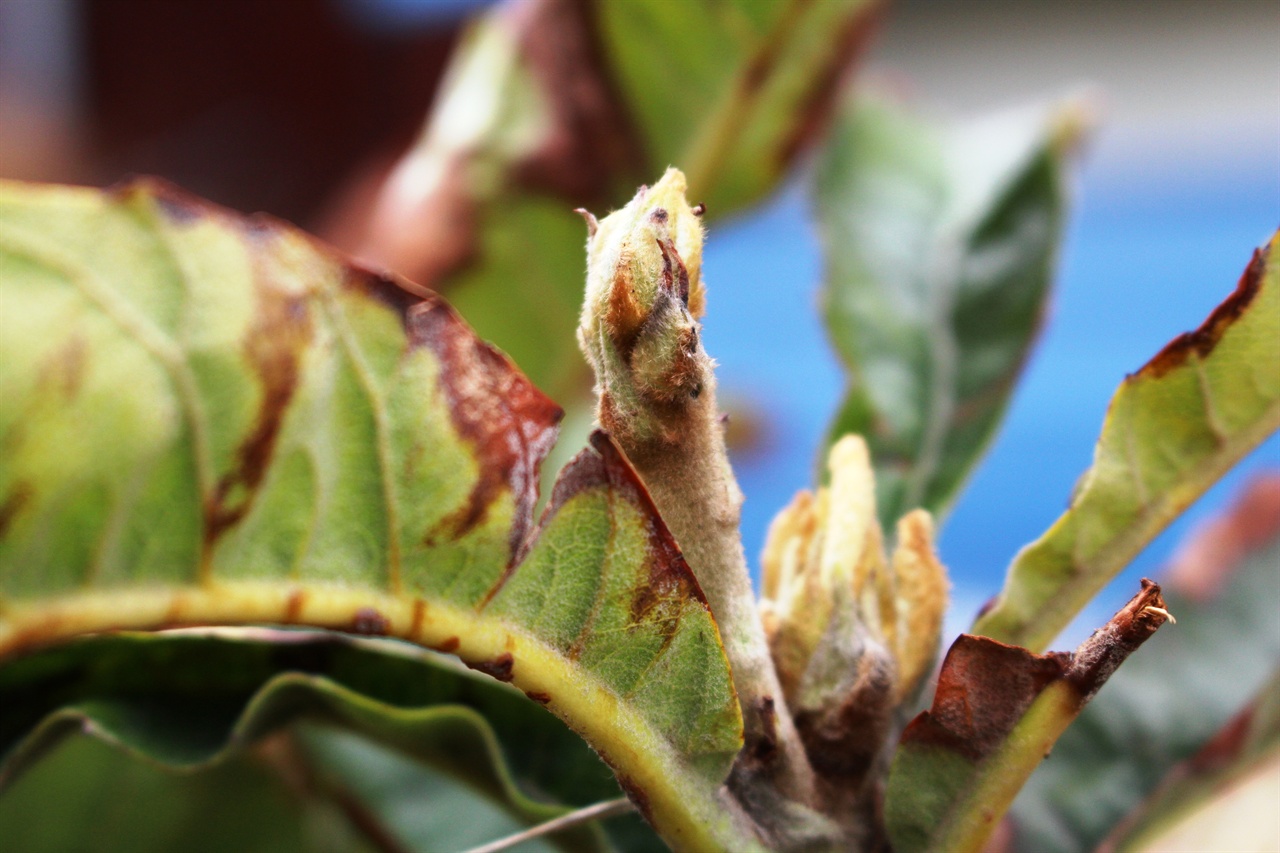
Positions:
(290, 106)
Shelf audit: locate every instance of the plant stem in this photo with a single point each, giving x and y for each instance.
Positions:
(656, 387)
(597, 811)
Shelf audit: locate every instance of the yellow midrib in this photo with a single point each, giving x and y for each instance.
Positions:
(682, 805)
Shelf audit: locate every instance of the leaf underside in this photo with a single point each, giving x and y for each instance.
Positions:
(940, 248)
(1172, 429)
(211, 419)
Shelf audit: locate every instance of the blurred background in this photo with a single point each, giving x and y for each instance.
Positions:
(300, 108)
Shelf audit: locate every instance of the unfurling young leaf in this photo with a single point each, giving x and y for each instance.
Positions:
(852, 633)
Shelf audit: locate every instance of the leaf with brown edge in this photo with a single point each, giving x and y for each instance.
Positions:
(996, 714)
(1165, 704)
(1172, 429)
(214, 419)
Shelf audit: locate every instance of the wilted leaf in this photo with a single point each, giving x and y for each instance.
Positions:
(211, 419)
(1165, 703)
(940, 247)
(997, 711)
(1205, 400)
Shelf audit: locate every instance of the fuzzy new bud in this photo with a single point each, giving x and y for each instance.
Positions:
(639, 326)
(840, 615)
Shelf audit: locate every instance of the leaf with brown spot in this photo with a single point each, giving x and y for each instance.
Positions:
(996, 714)
(264, 432)
(1172, 429)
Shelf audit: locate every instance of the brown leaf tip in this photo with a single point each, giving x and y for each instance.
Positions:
(986, 686)
(1099, 656)
(1202, 341)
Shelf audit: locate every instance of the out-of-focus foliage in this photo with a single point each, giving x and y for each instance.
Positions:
(940, 248)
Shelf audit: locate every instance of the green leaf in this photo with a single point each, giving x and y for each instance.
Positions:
(216, 420)
(997, 711)
(1173, 428)
(86, 795)
(940, 248)
(1166, 703)
(192, 701)
(731, 92)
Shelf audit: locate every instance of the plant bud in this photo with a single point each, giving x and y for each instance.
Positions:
(835, 608)
(639, 327)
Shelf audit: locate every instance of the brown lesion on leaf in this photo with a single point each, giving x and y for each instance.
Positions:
(274, 348)
(985, 687)
(368, 622)
(418, 618)
(588, 147)
(592, 144)
(1202, 341)
(636, 795)
(670, 577)
(539, 697)
(501, 667)
(11, 506)
(448, 644)
(824, 87)
(659, 601)
(293, 606)
(508, 422)
(65, 369)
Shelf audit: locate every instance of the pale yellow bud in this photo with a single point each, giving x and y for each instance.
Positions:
(639, 326)
(834, 605)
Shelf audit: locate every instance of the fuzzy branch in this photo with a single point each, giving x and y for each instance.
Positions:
(656, 388)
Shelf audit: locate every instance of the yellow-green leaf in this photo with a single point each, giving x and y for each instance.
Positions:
(211, 419)
(1205, 400)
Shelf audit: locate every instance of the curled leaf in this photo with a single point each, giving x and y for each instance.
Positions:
(996, 714)
(1165, 704)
